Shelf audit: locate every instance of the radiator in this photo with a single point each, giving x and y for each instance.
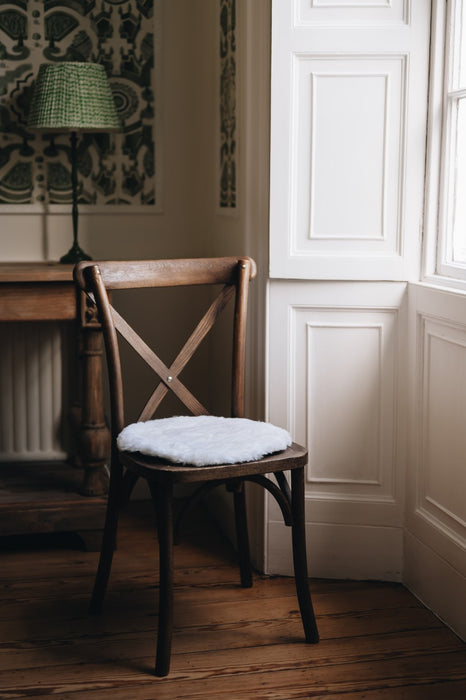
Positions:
(33, 358)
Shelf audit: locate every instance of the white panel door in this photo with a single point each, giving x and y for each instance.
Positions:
(348, 125)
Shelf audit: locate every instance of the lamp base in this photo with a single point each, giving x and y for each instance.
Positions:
(74, 255)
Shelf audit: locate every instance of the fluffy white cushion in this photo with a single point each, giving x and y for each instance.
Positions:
(203, 440)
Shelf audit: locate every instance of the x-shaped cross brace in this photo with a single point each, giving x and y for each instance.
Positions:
(169, 375)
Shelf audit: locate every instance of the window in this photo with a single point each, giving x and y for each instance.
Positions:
(451, 99)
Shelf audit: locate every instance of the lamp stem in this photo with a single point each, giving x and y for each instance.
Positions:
(74, 185)
(75, 253)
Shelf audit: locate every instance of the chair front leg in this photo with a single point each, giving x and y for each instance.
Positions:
(162, 497)
(299, 556)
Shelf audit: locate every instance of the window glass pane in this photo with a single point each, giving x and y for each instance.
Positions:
(459, 200)
(460, 44)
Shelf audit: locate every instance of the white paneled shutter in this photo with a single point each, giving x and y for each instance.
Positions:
(349, 94)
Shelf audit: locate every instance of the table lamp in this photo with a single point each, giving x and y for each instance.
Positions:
(72, 97)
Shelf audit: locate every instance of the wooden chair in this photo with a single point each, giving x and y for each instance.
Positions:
(233, 276)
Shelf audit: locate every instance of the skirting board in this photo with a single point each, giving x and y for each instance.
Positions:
(334, 551)
(340, 551)
(436, 583)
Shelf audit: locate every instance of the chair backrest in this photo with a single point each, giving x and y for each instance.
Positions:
(233, 274)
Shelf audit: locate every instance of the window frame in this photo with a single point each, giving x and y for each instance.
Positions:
(438, 265)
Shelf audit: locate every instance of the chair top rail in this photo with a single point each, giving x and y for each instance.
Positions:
(164, 273)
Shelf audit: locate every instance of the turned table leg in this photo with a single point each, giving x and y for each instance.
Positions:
(94, 435)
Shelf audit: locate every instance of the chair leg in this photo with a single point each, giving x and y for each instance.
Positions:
(108, 540)
(299, 556)
(242, 536)
(162, 495)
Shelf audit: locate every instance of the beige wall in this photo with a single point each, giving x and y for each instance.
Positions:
(189, 222)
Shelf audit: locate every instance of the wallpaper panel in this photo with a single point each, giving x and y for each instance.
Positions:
(113, 169)
(227, 104)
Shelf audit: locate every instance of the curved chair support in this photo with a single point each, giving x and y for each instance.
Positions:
(281, 493)
(284, 485)
(277, 493)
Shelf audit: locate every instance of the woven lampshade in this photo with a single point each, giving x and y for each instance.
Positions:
(73, 96)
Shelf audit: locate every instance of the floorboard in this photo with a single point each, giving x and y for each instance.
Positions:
(377, 641)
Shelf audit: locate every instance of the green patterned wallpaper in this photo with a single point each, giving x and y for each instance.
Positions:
(113, 169)
(228, 104)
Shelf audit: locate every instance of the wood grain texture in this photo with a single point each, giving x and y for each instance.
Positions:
(51, 500)
(377, 641)
(46, 497)
(37, 292)
(164, 273)
(233, 274)
(293, 457)
(35, 272)
(47, 301)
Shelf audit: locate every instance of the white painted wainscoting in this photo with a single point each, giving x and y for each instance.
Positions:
(371, 376)
(336, 381)
(435, 538)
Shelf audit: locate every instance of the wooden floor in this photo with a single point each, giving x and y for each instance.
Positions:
(377, 641)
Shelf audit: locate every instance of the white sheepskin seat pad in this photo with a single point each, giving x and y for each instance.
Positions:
(204, 440)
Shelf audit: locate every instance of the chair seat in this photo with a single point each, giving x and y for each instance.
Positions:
(155, 469)
(204, 440)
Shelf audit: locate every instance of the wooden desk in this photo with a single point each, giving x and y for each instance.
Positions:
(55, 496)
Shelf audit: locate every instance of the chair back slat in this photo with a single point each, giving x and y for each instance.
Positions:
(164, 273)
(232, 273)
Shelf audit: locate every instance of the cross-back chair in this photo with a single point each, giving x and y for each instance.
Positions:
(233, 276)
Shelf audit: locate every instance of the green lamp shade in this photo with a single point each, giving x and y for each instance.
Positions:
(73, 96)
